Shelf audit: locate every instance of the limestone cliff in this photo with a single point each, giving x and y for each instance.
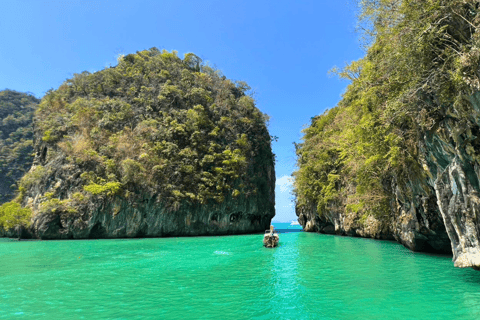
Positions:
(156, 146)
(16, 134)
(437, 213)
(142, 215)
(414, 221)
(398, 157)
(452, 157)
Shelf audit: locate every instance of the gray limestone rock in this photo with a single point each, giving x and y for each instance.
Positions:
(436, 211)
(142, 215)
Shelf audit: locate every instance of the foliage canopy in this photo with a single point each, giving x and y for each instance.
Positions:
(16, 134)
(173, 128)
(421, 67)
(13, 216)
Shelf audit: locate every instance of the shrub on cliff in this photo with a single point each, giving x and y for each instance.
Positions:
(13, 216)
(173, 129)
(421, 67)
(16, 134)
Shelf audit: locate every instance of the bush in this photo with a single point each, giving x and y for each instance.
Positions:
(420, 69)
(16, 134)
(12, 215)
(169, 127)
(33, 177)
(109, 189)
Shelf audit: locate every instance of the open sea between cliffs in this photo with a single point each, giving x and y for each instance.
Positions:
(309, 276)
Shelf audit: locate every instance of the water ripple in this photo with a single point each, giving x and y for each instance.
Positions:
(309, 276)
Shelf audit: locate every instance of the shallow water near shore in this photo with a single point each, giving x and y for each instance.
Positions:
(309, 276)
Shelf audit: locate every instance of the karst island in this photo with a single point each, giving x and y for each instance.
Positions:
(240, 160)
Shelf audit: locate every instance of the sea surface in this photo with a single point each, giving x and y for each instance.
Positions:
(309, 276)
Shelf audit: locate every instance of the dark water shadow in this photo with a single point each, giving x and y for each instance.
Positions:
(435, 253)
(470, 276)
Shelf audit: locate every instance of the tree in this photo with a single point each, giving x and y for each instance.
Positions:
(13, 216)
(16, 139)
(420, 68)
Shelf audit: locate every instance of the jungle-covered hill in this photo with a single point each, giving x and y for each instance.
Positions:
(398, 157)
(16, 135)
(157, 145)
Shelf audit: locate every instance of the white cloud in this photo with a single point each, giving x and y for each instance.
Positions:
(284, 205)
(285, 183)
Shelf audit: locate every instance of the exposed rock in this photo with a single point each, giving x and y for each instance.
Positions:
(435, 213)
(399, 155)
(451, 153)
(416, 223)
(143, 215)
(16, 133)
(156, 146)
(118, 218)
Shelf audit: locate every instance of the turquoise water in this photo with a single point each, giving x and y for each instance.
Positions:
(309, 276)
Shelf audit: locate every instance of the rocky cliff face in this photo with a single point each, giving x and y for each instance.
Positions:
(16, 134)
(142, 215)
(436, 212)
(451, 154)
(413, 221)
(398, 157)
(156, 146)
(119, 218)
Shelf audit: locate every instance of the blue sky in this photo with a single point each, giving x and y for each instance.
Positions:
(282, 49)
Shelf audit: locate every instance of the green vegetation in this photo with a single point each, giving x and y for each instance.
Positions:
(173, 129)
(420, 68)
(13, 216)
(32, 177)
(16, 134)
(109, 188)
